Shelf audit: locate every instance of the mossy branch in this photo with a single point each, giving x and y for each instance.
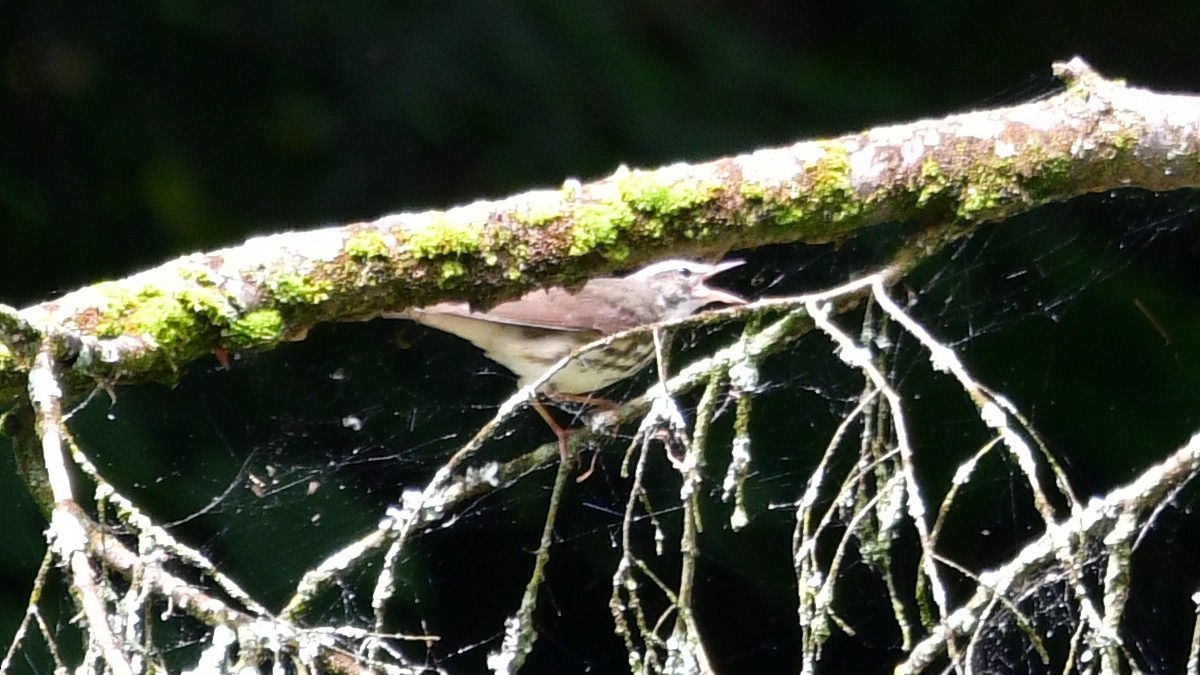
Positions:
(967, 169)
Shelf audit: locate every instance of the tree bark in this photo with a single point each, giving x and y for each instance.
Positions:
(963, 170)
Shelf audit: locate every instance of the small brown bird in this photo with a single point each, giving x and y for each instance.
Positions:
(532, 333)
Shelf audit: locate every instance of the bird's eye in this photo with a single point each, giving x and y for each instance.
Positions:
(686, 272)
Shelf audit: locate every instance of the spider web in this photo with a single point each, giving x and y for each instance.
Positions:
(1081, 314)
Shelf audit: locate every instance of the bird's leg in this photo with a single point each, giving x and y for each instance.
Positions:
(562, 433)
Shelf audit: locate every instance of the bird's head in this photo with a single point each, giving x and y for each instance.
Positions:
(681, 289)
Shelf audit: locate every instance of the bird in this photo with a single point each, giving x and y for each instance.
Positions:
(537, 330)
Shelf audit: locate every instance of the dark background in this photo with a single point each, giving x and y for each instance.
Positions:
(138, 132)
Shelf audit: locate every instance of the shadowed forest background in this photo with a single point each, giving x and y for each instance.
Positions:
(135, 133)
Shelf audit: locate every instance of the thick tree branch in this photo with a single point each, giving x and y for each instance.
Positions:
(968, 169)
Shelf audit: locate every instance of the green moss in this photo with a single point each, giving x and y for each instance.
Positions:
(598, 228)
(789, 215)
(369, 258)
(148, 311)
(172, 326)
(1050, 178)
(833, 190)
(451, 271)
(823, 207)
(260, 327)
(297, 289)
(6, 358)
(363, 246)
(209, 302)
(934, 183)
(1125, 140)
(654, 194)
(180, 322)
(444, 236)
(698, 230)
(538, 215)
(753, 192)
(988, 187)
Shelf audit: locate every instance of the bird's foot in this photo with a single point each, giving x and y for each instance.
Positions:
(563, 435)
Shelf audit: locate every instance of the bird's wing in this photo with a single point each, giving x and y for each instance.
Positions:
(585, 310)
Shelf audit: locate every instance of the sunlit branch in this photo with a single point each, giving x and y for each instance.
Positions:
(860, 357)
(998, 413)
(967, 169)
(33, 614)
(1093, 523)
(67, 534)
(519, 631)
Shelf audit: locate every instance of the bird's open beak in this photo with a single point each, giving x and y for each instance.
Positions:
(717, 294)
